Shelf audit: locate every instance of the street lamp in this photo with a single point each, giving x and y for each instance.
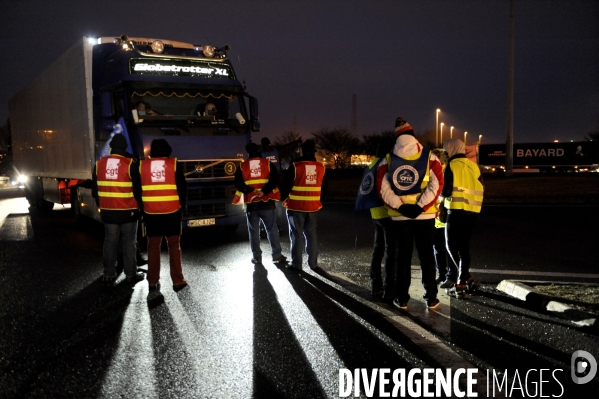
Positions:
(437, 127)
(480, 138)
(465, 134)
(451, 133)
(441, 134)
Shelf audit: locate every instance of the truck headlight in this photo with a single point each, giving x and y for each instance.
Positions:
(21, 179)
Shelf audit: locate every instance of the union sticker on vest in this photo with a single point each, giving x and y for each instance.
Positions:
(158, 172)
(255, 169)
(112, 168)
(311, 175)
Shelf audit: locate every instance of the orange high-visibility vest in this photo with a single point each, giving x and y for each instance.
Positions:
(158, 185)
(115, 188)
(305, 193)
(255, 172)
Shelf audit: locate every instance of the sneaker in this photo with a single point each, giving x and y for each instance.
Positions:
(433, 303)
(256, 261)
(472, 285)
(403, 305)
(290, 266)
(280, 259)
(319, 270)
(447, 284)
(457, 291)
(137, 277)
(440, 279)
(179, 287)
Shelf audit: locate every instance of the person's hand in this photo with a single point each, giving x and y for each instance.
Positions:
(260, 194)
(411, 211)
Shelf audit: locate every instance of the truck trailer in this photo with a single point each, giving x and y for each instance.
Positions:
(146, 89)
(582, 156)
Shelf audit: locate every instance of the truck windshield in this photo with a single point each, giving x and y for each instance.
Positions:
(193, 111)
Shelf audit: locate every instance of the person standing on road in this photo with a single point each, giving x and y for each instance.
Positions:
(257, 183)
(384, 244)
(439, 246)
(411, 180)
(462, 199)
(114, 181)
(272, 154)
(164, 194)
(303, 183)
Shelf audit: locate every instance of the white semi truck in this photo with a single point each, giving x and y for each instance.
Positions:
(61, 122)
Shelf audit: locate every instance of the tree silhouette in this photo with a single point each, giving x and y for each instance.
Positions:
(337, 144)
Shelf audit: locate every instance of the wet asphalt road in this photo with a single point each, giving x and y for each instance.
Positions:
(242, 332)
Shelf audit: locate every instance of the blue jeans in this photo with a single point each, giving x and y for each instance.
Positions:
(302, 233)
(272, 231)
(124, 235)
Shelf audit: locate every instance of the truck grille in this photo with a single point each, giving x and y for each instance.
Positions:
(210, 168)
(203, 211)
(206, 193)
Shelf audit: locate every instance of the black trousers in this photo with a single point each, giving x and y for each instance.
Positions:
(458, 232)
(384, 247)
(441, 255)
(407, 233)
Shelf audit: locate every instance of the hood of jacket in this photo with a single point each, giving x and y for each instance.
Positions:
(453, 147)
(406, 146)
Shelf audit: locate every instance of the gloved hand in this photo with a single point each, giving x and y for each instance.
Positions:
(411, 211)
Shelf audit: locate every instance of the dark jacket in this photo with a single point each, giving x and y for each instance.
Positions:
(111, 216)
(169, 224)
(272, 183)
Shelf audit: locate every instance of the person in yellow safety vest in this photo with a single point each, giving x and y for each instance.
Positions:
(256, 182)
(303, 184)
(411, 181)
(462, 198)
(164, 194)
(114, 182)
(439, 247)
(369, 198)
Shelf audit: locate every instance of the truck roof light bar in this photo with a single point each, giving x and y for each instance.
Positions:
(159, 46)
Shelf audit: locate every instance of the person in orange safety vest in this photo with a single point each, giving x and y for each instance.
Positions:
(164, 194)
(256, 182)
(114, 181)
(303, 183)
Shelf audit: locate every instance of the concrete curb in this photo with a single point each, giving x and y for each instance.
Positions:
(546, 303)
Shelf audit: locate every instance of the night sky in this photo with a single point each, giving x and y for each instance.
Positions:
(304, 60)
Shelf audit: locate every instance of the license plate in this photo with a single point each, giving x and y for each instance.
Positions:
(201, 222)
